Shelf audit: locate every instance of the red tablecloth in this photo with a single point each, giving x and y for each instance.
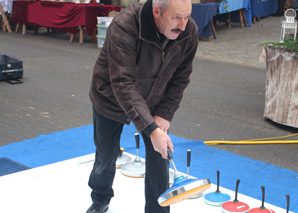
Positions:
(19, 11)
(63, 16)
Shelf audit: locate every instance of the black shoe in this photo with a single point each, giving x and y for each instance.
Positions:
(98, 208)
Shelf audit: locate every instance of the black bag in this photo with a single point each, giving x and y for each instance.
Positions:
(11, 68)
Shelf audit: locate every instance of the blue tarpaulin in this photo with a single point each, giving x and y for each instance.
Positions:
(205, 161)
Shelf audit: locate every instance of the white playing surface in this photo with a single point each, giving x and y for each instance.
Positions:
(63, 188)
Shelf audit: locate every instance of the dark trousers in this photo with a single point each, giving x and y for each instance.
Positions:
(107, 134)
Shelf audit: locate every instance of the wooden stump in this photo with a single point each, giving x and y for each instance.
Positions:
(281, 94)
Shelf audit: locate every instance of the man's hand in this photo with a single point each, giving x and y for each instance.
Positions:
(161, 141)
(162, 123)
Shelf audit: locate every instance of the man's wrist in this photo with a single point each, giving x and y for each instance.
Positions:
(149, 129)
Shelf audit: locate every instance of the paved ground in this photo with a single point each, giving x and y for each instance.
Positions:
(241, 46)
(225, 100)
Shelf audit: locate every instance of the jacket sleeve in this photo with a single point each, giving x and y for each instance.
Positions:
(122, 59)
(176, 86)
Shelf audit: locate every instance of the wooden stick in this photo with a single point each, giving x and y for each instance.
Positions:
(71, 37)
(213, 29)
(244, 18)
(3, 25)
(17, 28)
(6, 23)
(23, 29)
(241, 19)
(81, 35)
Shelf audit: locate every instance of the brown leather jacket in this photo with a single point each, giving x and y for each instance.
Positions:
(134, 78)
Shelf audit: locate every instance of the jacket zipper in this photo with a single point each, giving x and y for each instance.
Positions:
(164, 44)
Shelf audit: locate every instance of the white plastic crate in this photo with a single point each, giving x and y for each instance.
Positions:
(102, 28)
(104, 20)
(100, 41)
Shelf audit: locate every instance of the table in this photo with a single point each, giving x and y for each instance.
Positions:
(19, 11)
(262, 8)
(235, 5)
(203, 15)
(61, 16)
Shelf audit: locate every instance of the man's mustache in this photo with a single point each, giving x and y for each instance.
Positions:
(177, 30)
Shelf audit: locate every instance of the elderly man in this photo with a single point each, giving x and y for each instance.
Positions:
(139, 77)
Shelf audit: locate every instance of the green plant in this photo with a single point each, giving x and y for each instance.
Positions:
(288, 43)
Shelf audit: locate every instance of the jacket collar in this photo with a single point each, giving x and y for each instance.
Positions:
(148, 29)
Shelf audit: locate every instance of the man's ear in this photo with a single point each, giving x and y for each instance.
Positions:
(156, 11)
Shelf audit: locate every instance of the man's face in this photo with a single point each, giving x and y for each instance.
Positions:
(174, 19)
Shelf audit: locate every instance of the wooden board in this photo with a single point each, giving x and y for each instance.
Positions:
(281, 94)
(6, 23)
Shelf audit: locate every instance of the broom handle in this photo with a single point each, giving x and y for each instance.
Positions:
(188, 160)
(263, 196)
(217, 190)
(137, 137)
(288, 202)
(170, 156)
(236, 191)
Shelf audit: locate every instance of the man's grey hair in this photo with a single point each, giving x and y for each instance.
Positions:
(162, 4)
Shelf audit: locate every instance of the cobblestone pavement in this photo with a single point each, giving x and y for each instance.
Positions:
(241, 46)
